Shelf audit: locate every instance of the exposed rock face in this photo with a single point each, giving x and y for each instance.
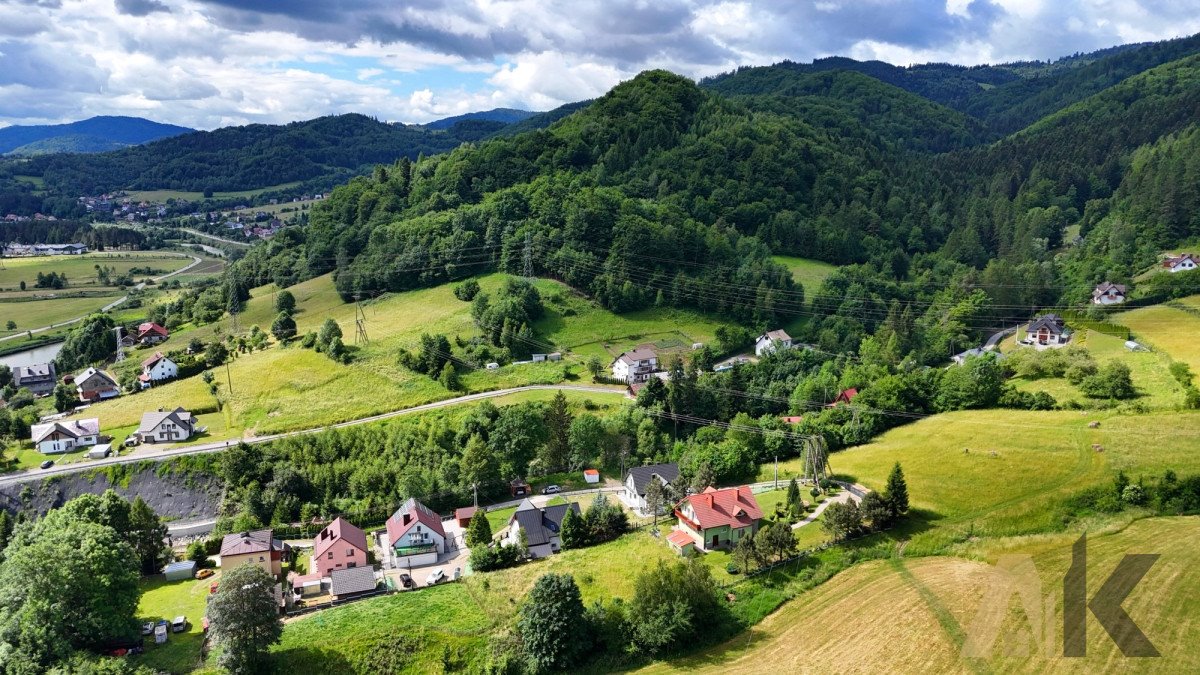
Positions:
(175, 497)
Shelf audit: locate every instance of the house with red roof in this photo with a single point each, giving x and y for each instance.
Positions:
(150, 333)
(157, 368)
(415, 535)
(846, 396)
(339, 546)
(716, 518)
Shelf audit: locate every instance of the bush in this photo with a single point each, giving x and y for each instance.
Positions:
(467, 290)
(486, 559)
(1112, 381)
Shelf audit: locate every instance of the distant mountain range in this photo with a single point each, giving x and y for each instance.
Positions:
(95, 134)
(503, 115)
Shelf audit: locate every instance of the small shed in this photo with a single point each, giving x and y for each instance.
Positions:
(100, 451)
(464, 515)
(591, 476)
(554, 356)
(352, 581)
(537, 358)
(178, 571)
(681, 542)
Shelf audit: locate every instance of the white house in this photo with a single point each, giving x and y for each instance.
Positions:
(56, 437)
(1108, 293)
(415, 535)
(542, 527)
(1049, 329)
(156, 369)
(635, 365)
(166, 426)
(638, 479)
(1183, 262)
(770, 341)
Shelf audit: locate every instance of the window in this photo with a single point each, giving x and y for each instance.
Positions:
(351, 564)
(330, 555)
(350, 552)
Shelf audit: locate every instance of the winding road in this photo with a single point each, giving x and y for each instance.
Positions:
(195, 261)
(146, 453)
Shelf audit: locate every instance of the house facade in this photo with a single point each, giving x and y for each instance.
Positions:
(635, 365)
(40, 379)
(259, 547)
(1184, 262)
(542, 527)
(57, 437)
(415, 535)
(96, 385)
(1108, 293)
(339, 546)
(150, 333)
(770, 341)
(638, 479)
(1048, 329)
(717, 519)
(157, 368)
(166, 426)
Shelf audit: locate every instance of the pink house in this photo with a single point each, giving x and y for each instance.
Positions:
(339, 546)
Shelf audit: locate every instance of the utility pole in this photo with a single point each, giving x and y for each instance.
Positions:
(776, 472)
(229, 379)
(360, 323)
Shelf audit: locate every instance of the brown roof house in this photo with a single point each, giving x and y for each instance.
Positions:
(259, 547)
(1183, 262)
(770, 341)
(150, 333)
(635, 365)
(339, 546)
(1108, 293)
(96, 385)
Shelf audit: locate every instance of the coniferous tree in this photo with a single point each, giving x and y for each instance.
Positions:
(479, 532)
(147, 534)
(895, 493)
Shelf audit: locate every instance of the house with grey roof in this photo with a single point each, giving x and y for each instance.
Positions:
(39, 378)
(542, 527)
(1049, 330)
(352, 582)
(772, 340)
(636, 365)
(65, 436)
(167, 426)
(638, 479)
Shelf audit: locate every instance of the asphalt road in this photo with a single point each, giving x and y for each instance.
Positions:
(111, 305)
(147, 453)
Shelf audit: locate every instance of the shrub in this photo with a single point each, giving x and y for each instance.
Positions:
(467, 290)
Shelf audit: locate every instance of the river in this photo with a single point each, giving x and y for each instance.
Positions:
(33, 356)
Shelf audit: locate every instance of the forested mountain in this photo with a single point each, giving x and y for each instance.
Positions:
(542, 120)
(503, 115)
(94, 134)
(665, 192)
(242, 158)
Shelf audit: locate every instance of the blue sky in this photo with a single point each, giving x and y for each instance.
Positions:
(210, 63)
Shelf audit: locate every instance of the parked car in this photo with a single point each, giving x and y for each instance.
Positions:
(148, 628)
(435, 577)
(457, 573)
(406, 581)
(212, 588)
(131, 440)
(179, 624)
(204, 574)
(551, 489)
(47, 464)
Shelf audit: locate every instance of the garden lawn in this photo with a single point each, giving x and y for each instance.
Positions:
(163, 599)
(329, 641)
(1167, 329)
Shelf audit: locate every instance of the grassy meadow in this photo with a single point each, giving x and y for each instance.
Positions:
(162, 599)
(1168, 329)
(80, 270)
(810, 274)
(164, 195)
(914, 614)
(1149, 371)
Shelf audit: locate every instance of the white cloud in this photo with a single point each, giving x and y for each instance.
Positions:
(547, 80)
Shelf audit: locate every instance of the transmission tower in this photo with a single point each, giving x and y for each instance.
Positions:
(528, 255)
(360, 323)
(816, 459)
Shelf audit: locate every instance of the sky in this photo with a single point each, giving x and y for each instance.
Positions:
(213, 63)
